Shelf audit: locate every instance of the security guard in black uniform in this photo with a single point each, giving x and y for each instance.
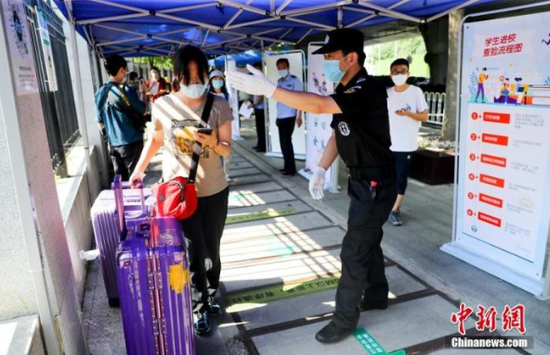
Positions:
(361, 137)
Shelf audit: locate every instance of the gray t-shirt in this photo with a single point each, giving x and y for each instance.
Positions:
(179, 127)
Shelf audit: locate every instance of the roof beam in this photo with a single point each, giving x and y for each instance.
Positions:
(286, 33)
(103, 44)
(388, 12)
(192, 22)
(251, 23)
(237, 14)
(187, 8)
(373, 15)
(305, 35)
(120, 6)
(283, 6)
(313, 9)
(298, 20)
(110, 18)
(246, 7)
(205, 38)
(445, 13)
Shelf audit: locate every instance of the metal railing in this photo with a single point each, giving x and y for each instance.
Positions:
(436, 107)
(58, 105)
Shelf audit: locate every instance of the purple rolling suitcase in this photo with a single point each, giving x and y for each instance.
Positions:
(154, 288)
(106, 230)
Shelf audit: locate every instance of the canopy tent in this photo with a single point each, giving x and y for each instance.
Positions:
(156, 28)
(247, 57)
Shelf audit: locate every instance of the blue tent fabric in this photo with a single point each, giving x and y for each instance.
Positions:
(241, 59)
(146, 27)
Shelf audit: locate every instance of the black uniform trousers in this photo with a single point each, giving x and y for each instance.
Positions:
(260, 128)
(286, 128)
(203, 232)
(125, 158)
(363, 271)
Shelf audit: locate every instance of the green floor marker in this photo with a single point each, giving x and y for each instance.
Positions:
(256, 298)
(254, 216)
(369, 343)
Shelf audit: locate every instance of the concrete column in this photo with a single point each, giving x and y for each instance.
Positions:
(435, 36)
(449, 122)
(34, 251)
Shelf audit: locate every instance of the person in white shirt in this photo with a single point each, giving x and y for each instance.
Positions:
(407, 108)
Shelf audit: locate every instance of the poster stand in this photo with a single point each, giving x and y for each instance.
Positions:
(512, 268)
(271, 134)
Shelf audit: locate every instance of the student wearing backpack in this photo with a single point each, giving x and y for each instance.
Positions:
(120, 117)
(177, 119)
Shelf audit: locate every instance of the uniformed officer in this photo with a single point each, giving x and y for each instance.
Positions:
(287, 116)
(361, 137)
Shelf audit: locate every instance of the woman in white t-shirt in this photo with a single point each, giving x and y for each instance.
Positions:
(407, 108)
(176, 118)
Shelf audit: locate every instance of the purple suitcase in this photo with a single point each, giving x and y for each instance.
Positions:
(154, 288)
(106, 230)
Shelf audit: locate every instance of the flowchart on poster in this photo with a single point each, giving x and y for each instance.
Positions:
(502, 199)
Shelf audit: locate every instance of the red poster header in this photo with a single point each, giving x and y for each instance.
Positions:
(491, 180)
(489, 219)
(492, 160)
(494, 139)
(490, 200)
(496, 117)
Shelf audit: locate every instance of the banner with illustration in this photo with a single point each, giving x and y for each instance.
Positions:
(503, 196)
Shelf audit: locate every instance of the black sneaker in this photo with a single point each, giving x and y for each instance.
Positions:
(395, 218)
(213, 308)
(367, 306)
(201, 324)
(332, 334)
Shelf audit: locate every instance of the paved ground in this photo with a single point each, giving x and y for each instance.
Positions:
(280, 272)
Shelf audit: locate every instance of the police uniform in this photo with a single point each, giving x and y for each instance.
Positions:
(286, 120)
(363, 141)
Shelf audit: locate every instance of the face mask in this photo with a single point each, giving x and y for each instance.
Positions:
(399, 79)
(217, 84)
(193, 91)
(283, 73)
(155, 76)
(124, 79)
(332, 71)
(134, 85)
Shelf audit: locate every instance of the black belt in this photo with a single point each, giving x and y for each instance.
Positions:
(371, 173)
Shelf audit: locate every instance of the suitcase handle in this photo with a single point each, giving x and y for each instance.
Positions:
(118, 187)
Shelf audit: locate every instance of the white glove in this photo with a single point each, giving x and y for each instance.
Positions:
(317, 183)
(255, 84)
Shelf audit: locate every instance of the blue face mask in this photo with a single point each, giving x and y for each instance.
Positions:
(283, 73)
(193, 91)
(217, 84)
(332, 71)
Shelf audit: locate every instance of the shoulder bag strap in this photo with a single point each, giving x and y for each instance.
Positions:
(196, 152)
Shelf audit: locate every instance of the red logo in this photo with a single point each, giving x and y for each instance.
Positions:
(512, 318)
(473, 136)
(472, 157)
(471, 196)
(472, 176)
(470, 213)
(475, 116)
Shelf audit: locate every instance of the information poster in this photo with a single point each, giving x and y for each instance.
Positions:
(20, 45)
(317, 126)
(234, 104)
(503, 208)
(46, 45)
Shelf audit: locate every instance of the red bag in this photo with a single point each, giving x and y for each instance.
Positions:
(178, 197)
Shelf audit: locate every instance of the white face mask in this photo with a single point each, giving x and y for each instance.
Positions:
(399, 79)
(193, 91)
